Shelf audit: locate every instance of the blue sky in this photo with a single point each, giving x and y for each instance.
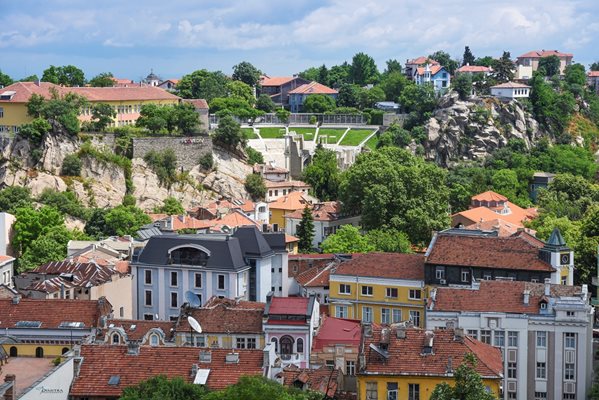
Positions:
(175, 37)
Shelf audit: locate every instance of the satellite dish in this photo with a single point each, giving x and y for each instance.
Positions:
(193, 299)
(195, 325)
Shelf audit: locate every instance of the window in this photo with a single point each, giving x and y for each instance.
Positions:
(367, 314)
(274, 340)
(512, 339)
(391, 292)
(569, 371)
(153, 340)
(250, 343)
(221, 282)
(341, 311)
(174, 300)
(330, 363)
(569, 396)
(415, 294)
(148, 277)
(541, 370)
(511, 370)
(350, 367)
(371, 391)
(116, 338)
(440, 273)
(465, 275)
(385, 316)
(240, 343)
(174, 278)
(541, 339)
(396, 315)
(391, 390)
(413, 391)
(276, 192)
(300, 345)
(473, 333)
(570, 340)
(148, 317)
(286, 343)
(540, 395)
(344, 289)
(415, 317)
(148, 298)
(122, 312)
(570, 313)
(543, 305)
(188, 256)
(512, 395)
(485, 336)
(366, 290)
(198, 280)
(1, 112)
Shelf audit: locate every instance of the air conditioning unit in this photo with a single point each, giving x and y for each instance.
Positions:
(442, 281)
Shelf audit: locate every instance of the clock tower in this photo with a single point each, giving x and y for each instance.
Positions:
(560, 256)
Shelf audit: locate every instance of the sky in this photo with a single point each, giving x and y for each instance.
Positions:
(175, 37)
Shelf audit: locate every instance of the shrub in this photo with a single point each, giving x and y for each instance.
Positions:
(71, 165)
(313, 120)
(129, 200)
(254, 156)
(206, 161)
(164, 165)
(254, 184)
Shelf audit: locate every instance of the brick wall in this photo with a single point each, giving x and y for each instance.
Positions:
(187, 149)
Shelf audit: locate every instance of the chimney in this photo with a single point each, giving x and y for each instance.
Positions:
(10, 393)
(458, 334)
(547, 287)
(526, 296)
(38, 82)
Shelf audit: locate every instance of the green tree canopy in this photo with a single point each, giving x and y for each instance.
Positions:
(503, 68)
(305, 230)
(241, 90)
(203, 84)
(102, 115)
(319, 103)
(260, 388)
(125, 220)
(229, 133)
(575, 74)
(392, 189)
(254, 184)
(393, 66)
(5, 80)
(550, 64)
(468, 385)
(323, 174)
(389, 241)
(349, 95)
(339, 74)
(347, 239)
(363, 70)
(51, 246)
(393, 84)
(15, 197)
(67, 75)
(62, 109)
(32, 224)
(161, 388)
(66, 202)
(246, 73)
(104, 79)
(462, 84)
(468, 58)
(445, 60)
(170, 206)
(265, 103)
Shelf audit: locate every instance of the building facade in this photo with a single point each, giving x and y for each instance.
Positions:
(510, 90)
(530, 61)
(298, 96)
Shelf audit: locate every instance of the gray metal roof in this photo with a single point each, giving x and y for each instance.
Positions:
(276, 240)
(253, 243)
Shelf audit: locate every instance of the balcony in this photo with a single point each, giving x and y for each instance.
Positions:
(291, 359)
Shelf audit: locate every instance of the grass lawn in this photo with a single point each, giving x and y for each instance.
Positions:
(333, 135)
(272, 133)
(249, 133)
(355, 136)
(308, 133)
(372, 142)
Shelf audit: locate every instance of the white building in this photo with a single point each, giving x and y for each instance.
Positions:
(6, 270)
(593, 80)
(510, 90)
(6, 222)
(543, 330)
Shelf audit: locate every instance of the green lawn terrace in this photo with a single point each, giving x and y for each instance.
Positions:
(249, 133)
(330, 136)
(355, 137)
(307, 133)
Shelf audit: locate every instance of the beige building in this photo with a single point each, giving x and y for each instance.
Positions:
(528, 63)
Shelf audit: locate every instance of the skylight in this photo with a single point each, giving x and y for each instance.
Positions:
(71, 324)
(114, 380)
(28, 324)
(201, 376)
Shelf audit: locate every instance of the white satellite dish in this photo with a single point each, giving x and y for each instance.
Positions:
(195, 325)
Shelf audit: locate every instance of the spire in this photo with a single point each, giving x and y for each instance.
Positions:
(556, 239)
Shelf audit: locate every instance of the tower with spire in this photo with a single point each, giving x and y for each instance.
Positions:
(560, 256)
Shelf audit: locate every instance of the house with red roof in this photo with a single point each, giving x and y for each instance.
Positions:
(593, 80)
(543, 331)
(314, 281)
(435, 75)
(169, 84)
(411, 67)
(474, 69)
(289, 324)
(298, 96)
(399, 362)
(528, 63)
(278, 87)
(510, 90)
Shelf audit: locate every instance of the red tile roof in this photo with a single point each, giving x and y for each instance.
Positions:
(289, 306)
(24, 90)
(323, 380)
(384, 265)
(313, 88)
(593, 74)
(489, 195)
(334, 331)
(325, 211)
(474, 68)
(503, 228)
(544, 53)
(314, 277)
(226, 316)
(293, 201)
(100, 362)
(4, 259)
(275, 80)
(485, 298)
(513, 253)
(136, 329)
(406, 356)
(50, 312)
(291, 239)
(422, 60)
(198, 103)
(433, 68)
(292, 184)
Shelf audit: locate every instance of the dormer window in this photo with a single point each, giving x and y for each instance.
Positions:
(116, 338)
(189, 255)
(543, 305)
(154, 340)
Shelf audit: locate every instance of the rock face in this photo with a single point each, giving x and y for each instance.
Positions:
(471, 130)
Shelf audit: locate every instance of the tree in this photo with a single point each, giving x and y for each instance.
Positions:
(503, 68)
(260, 388)
(246, 73)
(339, 74)
(347, 240)
(392, 189)
(125, 220)
(66, 202)
(389, 241)
(283, 115)
(462, 84)
(32, 224)
(445, 60)
(323, 174)
(203, 84)
(392, 66)
(369, 97)
(67, 75)
(550, 64)
(5, 80)
(363, 70)
(104, 79)
(265, 103)
(393, 85)
(395, 135)
(62, 109)
(152, 117)
(305, 230)
(349, 95)
(96, 225)
(15, 197)
(170, 206)
(229, 133)
(52, 246)
(468, 384)
(30, 78)
(575, 74)
(241, 90)
(486, 61)
(102, 115)
(71, 165)
(594, 66)
(35, 131)
(319, 103)
(468, 58)
(254, 156)
(164, 165)
(161, 388)
(254, 184)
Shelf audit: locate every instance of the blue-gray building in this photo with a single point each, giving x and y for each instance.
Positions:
(246, 264)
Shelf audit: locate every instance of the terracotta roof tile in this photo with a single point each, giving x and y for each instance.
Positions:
(323, 380)
(422, 60)
(275, 80)
(289, 306)
(406, 356)
(313, 88)
(512, 253)
(198, 103)
(100, 362)
(226, 316)
(489, 195)
(474, 68)
(593, 74)
(293, 201)
(334, 331)
(434, 69)
(384, 265)
(503, 228)
(511, 85)
(544, 53)
(325, 211)
(314, 277)
(292, 184)
(4, 258)
(137, 329)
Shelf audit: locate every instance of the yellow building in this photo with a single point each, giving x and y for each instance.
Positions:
(126, 101)
(400, 363)
(384, 288)
(289, 203)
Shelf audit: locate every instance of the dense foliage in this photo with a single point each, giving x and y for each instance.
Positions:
(323, 174)
(305, 230)
(254, 184)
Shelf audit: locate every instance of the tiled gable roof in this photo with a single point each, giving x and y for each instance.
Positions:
(544, 53)
(333, 331)
(313, 88)
(325, 211)
(284, 184)
(275, 80)
(137, 329)
(474, 68)
(510, 85)
(289, 306)
(226, 316)
(489, 195)
(50, 312)
(100, 362)
(503, 228)
(422, 60)
(512, 253)
(406, 355)
(314, 277)
(198, 103)
(293, 201)
(434, 69)
(323, 380)
(384, 265)
(593, 74)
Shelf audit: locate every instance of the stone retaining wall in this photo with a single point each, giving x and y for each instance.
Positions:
(187, 149)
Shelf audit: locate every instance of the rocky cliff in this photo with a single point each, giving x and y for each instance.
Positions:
(470, 130)
(104, 184)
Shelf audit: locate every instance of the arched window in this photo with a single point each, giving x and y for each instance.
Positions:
(300, 345)
(286, 345)
(116, 338)
(39, 352)
(189, 256)
(13, 351)
(274, 340)
(65, 350)
(154, 340)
